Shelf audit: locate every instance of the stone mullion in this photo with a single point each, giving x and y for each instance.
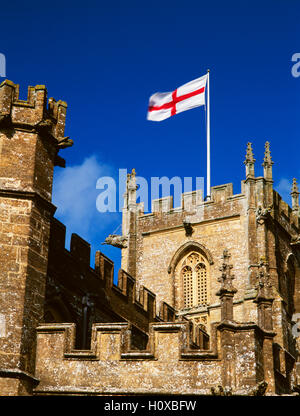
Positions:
(195, 287)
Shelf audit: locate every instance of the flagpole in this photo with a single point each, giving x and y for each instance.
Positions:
(208, 139)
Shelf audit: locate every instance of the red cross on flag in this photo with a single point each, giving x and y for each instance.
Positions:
(163, 105)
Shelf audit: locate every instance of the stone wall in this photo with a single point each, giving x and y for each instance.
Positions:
(72, 284)
(216, 226)
(168, 366)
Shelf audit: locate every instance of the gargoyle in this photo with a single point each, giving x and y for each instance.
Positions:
(295, 241)
(64, 142)
(188, 228)
(262, 214)
(115, 240)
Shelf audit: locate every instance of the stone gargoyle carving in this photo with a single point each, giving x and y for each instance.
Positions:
(295, 241)
(188, 228)
(116, 240)
(262, 214)
(64, 142)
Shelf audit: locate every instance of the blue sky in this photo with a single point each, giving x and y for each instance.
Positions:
(105, 58)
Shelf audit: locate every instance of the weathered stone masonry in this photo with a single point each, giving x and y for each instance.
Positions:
(30, 138)
(205, 298)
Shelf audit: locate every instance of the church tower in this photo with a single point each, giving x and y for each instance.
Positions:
(180, 254)
(31, 134)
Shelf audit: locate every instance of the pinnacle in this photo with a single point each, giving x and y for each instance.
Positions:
(249, 154)
(268, 159)
(295, 190)
(227, 277)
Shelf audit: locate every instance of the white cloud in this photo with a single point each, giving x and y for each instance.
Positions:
(284, 189)
(75, 193)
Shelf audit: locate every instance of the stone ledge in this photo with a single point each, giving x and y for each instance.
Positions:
(34, 196)
(17, 373)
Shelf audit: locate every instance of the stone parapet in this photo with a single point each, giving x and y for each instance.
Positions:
(170, 364)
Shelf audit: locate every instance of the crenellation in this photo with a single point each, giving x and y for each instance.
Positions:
(190, 200)
(127, 285)
(140, 208)
(129, 298)
(148, 300)
(170, 351)
(162, 204)
(243, 187)
(58, 234)
(80, 248)
(285, 215)
(57, 110)
(221, 193)
(32, 110)
(166, 312)
(27, 112)
(7, 93)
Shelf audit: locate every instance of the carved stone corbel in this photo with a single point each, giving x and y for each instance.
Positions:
(262, 214)
(64, 142)
(188, 228)
(115, 240)
(295, 241)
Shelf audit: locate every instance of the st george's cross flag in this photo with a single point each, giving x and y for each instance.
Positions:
(163, 105)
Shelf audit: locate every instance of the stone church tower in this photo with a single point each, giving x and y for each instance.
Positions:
(30, 137)
(177, 253)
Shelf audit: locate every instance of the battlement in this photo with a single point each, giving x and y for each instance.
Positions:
(167, 366)
(134, 303)
(122, 333)
(191, 200)
(141, 298)
(285, 215)
(283, 207)
(32, 113)
(222, 203)
(31, 136)
(152, 370)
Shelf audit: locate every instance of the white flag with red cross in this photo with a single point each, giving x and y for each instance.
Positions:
(163, 105)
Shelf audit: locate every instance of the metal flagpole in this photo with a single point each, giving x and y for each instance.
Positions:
(208, 139)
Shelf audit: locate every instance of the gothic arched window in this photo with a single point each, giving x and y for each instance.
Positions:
(187, 275)
(194, 274)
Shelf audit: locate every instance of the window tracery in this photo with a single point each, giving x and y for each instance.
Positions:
(194, 274)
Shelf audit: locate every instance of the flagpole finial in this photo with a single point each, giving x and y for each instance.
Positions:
(208, 70)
